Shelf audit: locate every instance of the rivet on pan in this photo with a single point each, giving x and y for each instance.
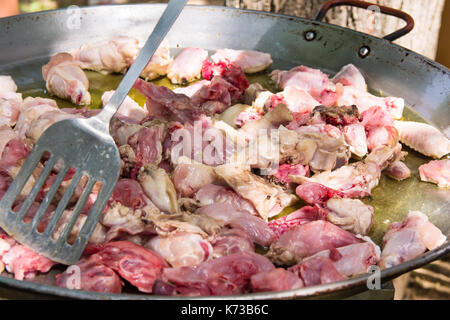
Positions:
(364, 51)
(310, 35)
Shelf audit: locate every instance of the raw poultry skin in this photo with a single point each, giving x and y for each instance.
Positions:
(202, 224)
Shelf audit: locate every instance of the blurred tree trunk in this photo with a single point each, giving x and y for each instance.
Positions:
(426, 13)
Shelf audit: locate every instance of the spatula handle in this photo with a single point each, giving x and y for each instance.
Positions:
(161, 29)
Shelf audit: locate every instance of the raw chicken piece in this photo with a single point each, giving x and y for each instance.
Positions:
(355, 137)
(282, 173)
(25, 263)
(108, 56)
(159, 63)
(32, 109)
(226, 215)
(256, 96)
(188, 178)
(408, 239)
(166, 225)
(302, 216)
(7, 84)
(147, 143)
(296, 99)
(65, 79)
(348, 96)
(269, 200)
(379, 126)
(231, 241)
(316, 194)
(10, 104)
(129, 108)
(181, 249)
(275, 280)
(356, 179)
(313, 81)
(305, 240)
(349, 75)
(228, 71)
(423, 138)
(398, 171)
(350, 214)
(337, 116)
(163, 104)
(93, 276)
(192, 89)
(337, 264)
(216, 90)
(45, 120)
(158, 186)
(187, 65)
(312, 146)
(129, 193)
(279, 116)
(222, 276)
(136, 264)
(437, 172)
(213, 194)
(248, 60)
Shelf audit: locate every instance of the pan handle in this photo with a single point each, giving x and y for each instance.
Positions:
(366, 5)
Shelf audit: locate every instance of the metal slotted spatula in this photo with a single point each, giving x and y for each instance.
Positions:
(83, 146)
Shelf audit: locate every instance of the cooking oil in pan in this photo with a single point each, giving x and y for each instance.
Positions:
(391, 199)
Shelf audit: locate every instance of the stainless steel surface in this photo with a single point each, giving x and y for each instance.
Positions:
(86, 146)
(29, 40)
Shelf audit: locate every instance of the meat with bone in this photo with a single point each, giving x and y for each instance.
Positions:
(348, 96)
(337, 264)
(32, 109)
(216, 90)
(129, 193)
(308, 147)
(165, 225)
(10, 104)
(147, 143)
(423, 138)
(278, 279)
(279, 116)
(25, 263)
(313, 81)
(45, 120)
(282, 173)
(65, 79)
(408, 239)
(437, 171)
(398, 171)
(355, 137)
(228, 71)
(268, 199)
(350, 214)
(380, 129)
(256, 228)
(7, 84)
(249, 61)
(213, 194)
(304, 215)
(129, 108)
(231, 241)
(187, 65)
(356, 179)
(159, 63)
(256, 96)
(338, 116)
(164, 104)
(182, 249)
(349, 75)
(90, 274)
(296, 99)
(138, 265)
(108, 56)
(158, 186)
(188, 178)
(307, 239)
(222, 276)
